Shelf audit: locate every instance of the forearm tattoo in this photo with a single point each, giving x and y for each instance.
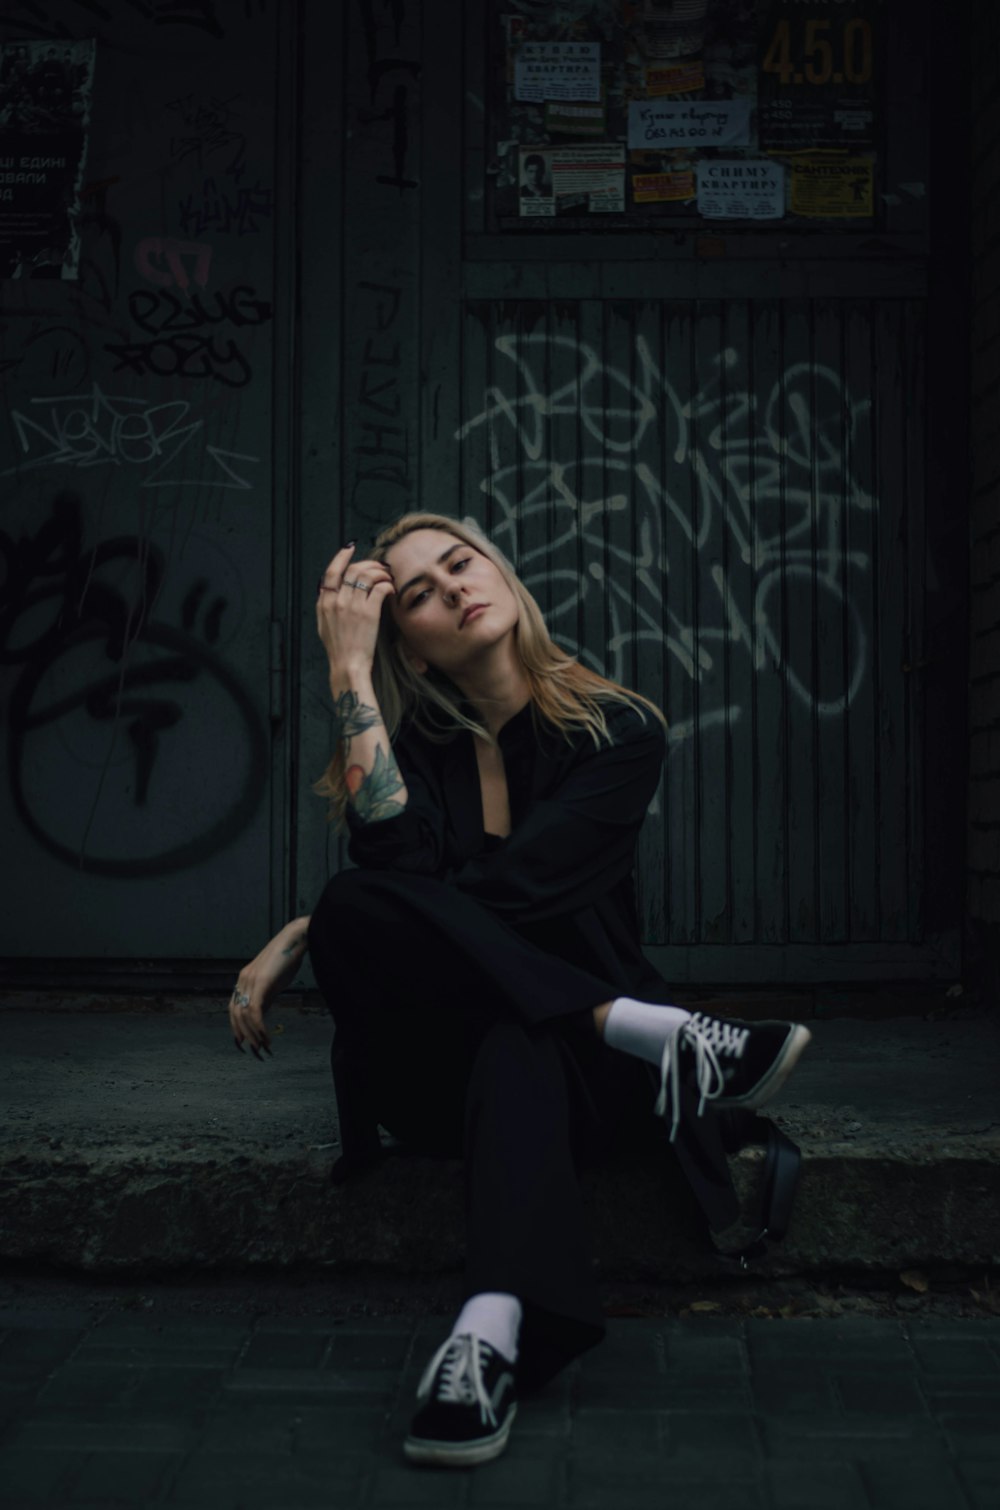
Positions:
(372, 793)
(297, 944)
(351, 717)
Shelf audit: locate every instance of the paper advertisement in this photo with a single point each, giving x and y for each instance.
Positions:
(576, 119)
(833, 190)
(662, 188)
(589, 180)
(45, 101)
(676, 78)
(817, 70)
(741, 189)
(679, 123)
(535, 182)
(557, 71)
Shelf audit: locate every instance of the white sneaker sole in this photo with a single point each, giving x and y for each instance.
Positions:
(770, 1084)
(459, 1454)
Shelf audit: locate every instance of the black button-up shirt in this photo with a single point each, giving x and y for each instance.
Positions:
(564, 875)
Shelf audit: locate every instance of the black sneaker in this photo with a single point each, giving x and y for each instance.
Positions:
(466, 1405)
(734, 1063)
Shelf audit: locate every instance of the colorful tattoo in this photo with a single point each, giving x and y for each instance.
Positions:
(372, 794)
(352, 717)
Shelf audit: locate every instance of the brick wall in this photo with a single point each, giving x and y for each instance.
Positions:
(984, 700)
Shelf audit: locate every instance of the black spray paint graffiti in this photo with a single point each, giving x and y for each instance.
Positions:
(53, 355)
(50, 576)
(97, 429)
(240, 211)
(177, 347)
(30, 19)
(381, 69)
(207, 130)
(381, 445)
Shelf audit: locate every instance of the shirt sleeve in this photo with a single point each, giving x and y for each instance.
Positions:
(414, 840)
(573, 845)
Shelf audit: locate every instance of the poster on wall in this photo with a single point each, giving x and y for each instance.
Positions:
(741, 189)
(838, 190)
(557, 71)
(817, 73)
(660, 124)
(572, 180)
(589, 180)
(686, 91)
(45, 101)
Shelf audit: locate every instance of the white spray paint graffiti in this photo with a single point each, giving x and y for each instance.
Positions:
(98, 429)
(773, 475)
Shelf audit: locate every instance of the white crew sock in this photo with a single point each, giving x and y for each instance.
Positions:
(638, 1028)
(494, 1318)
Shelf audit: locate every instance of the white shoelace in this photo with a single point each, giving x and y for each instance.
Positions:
(709, 1037)
(461, 1382)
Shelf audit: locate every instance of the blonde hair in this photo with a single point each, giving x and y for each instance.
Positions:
(569, 697)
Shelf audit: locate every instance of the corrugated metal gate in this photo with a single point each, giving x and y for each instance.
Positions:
(720, 462)
(709, 500)
(711, 458)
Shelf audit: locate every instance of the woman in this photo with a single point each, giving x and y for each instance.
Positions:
(482, 962)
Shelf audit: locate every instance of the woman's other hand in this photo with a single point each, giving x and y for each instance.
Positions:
(348, 610)
(261, 980)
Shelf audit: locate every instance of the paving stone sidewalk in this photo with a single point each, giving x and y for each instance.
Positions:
(689, 1413)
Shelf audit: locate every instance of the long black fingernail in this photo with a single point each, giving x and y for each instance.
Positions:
(256, 1053)
(267, 1050)
(238, 1044)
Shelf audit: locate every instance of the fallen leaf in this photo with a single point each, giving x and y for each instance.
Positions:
(705, 1305)
(915, 1279)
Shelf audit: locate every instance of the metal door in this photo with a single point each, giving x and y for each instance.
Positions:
(142, 575)
(711, 460)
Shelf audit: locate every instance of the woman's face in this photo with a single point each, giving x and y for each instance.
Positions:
(452, 605)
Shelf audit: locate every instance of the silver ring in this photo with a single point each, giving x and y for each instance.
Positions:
(241, 999)
(364, 586)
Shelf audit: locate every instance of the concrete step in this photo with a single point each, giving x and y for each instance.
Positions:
(137, 1140)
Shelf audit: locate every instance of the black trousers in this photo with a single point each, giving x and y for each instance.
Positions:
(462, 1037)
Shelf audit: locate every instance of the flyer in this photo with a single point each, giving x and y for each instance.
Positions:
(589, 180)
(534, 176)
(557, 71)
(576, 119)
(678, 123)
(685, 77)
(839, 190)
(741, 189)
(45, 98)
(817, 67)
(662, 188)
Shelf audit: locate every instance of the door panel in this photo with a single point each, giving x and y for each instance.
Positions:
(708, 501)
(135, 512)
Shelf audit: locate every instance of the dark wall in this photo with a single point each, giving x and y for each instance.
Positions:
(303, 306)
(984, 670)
(139, 446)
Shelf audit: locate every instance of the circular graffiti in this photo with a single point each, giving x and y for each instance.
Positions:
(133, 698)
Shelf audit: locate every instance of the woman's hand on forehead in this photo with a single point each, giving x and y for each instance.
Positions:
(349, 599)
